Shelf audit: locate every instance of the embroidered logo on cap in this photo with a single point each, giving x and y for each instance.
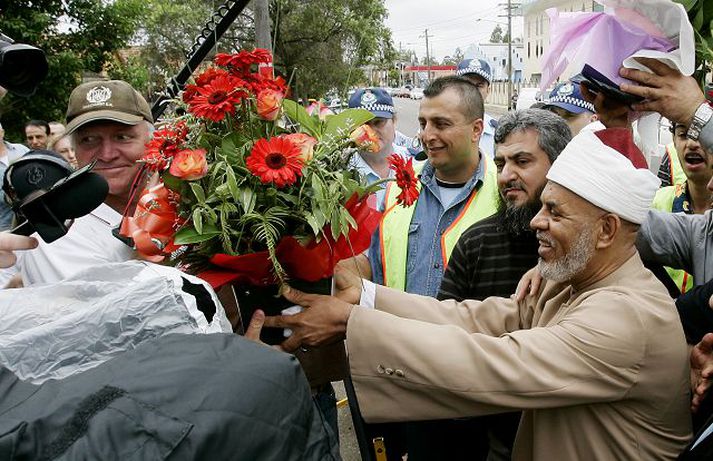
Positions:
(368, 98)
(99, 96)
(566, 89)
(474, 63)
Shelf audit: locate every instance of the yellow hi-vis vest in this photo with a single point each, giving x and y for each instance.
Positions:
(678, 176)
(664, 201)
(482, 203)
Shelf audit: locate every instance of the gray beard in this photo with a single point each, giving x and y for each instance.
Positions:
(515, 220)
(564, 269)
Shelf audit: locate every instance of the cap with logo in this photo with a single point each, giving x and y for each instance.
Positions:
(375, 100)
(113, 100)
(568, 96)
(475, 66)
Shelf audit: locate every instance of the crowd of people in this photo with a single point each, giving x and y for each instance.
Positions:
(546, 295)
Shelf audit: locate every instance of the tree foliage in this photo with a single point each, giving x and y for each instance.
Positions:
(77, 36)
(323, 42)
(497, 35)
(700, 13)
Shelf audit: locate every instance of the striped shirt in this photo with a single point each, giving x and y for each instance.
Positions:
(488, 261)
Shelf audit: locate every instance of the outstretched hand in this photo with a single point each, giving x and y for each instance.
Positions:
(348, 276)
(611, 112)
(666, 91)
(323, 321)
(701, 370)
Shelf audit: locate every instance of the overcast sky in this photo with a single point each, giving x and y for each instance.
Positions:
(450, 23)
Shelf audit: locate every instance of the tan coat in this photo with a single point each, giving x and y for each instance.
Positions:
(601, 374)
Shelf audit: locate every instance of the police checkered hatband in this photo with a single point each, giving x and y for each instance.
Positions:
(378, 107)
(474, 70)
(574, 101)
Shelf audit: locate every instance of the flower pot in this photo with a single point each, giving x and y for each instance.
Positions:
(321, 364)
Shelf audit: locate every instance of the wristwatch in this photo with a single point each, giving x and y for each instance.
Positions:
(700, 118)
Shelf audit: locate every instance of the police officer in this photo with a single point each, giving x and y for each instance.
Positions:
(478, 71)
(566, 101)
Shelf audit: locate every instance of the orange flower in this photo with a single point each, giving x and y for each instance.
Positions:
(405, 179)
(189, 164)
(366, 139)
(275, 161)
(305, 143)
(268, 104)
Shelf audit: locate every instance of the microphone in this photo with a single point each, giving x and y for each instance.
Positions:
(46, 205)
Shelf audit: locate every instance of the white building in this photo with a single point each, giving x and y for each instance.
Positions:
(536, 31)
(496, 54)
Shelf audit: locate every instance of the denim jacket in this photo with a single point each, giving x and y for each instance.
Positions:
(424, 266)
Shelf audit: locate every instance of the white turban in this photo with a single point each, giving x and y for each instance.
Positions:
(604, 177)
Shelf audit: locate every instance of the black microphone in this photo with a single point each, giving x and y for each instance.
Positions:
(48, 210)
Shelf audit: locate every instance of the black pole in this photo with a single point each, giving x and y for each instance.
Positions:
(214, 29)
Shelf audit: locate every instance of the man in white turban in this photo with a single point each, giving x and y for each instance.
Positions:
(596, 359)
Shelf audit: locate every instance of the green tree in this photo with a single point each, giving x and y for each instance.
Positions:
(75, 37)
(497, 35)
(322, 43)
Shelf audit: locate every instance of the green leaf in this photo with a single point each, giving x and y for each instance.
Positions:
(336, 223)
(342, 124)
(232, 183)
(317, 188)
(312, 221)
(698, 20)
(189, 235)
(687, 4)
(198, 192)
(247, 199)
(171, 182)
(198, 220)
(298, 114)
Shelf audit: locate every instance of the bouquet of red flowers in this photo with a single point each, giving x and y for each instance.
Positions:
(251, 187)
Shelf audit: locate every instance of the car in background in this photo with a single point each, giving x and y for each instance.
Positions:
(527, 97)
(402, 92)
(416, 93)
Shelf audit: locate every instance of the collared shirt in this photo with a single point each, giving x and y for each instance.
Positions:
(424, 263)
(487, 139)
(13, 152)
(488, 261)
(371, 176)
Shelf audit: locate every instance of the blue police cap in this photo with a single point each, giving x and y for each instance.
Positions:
(475, 66)
(375, 100)
(568, 96)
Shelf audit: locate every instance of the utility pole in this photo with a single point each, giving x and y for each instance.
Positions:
(262, 24)
(428, 55)
(401, 68)
(509, 7)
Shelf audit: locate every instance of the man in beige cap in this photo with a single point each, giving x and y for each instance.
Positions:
(596, 360)
(110, 122)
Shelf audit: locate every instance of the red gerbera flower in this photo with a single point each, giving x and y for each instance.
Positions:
(405, 179)
(275, 161)
(217, 98)
(164, 145)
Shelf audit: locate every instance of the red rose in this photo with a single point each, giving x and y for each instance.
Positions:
(268, 104)
(189, 164)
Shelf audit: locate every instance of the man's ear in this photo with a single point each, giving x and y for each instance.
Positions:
(477, 130)
(610, 227)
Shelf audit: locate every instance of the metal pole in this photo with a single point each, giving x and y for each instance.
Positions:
(428, 59)
(509, 53)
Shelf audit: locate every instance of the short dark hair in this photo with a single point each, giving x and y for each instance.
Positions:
(470, 94)
(553, 132)
(40, 123)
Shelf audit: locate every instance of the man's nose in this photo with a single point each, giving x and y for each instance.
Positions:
(539, 222)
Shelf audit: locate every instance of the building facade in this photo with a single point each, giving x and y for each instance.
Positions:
(496, 54)
(419, 76)
(536, 31)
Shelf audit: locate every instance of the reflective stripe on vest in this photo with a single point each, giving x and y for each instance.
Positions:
(678, 176)
(663, 201)
(394, 227)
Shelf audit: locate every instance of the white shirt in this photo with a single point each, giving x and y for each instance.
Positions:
(487, 139)
(88, 242)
